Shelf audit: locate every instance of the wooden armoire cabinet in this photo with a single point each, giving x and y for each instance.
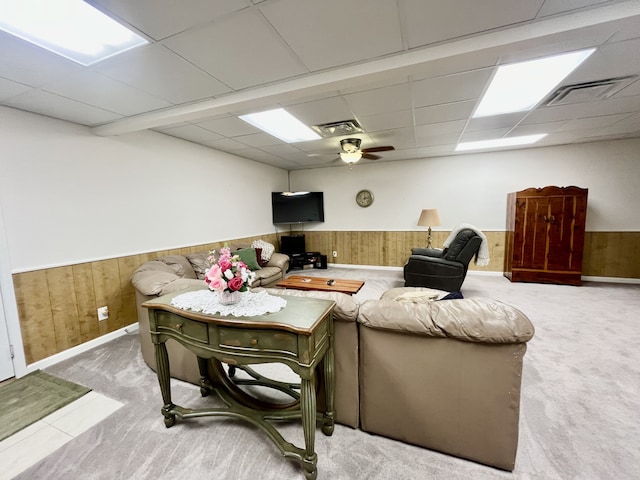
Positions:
(545, 235)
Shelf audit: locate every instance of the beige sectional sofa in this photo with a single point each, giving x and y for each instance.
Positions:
(444, 375)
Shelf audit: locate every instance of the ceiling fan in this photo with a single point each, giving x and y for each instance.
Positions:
(351, 151)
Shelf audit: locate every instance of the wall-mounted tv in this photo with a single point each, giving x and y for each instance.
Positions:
(297, 207)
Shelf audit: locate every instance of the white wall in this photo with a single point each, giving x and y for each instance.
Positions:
(473, 188)
(69, 196)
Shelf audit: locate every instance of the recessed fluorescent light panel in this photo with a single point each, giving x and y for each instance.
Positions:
(499, 142)
(521, 86)
(281, 124)
(70, 28)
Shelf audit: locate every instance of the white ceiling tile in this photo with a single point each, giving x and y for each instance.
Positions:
(226, 145)
(9, 89)
(508, 120)
(397, 137)
(258, 139)
(56, 106)
(431, 22)
(95, 89)
(228, 126)
(192, 133)
(621, 58)
(591, 122)
(386, 121)
(536, 129)
(161, 72)
(380, 100)
(241, 51)
(444, 113)
(25, 63)
(449, 89)
(484, 135)
(442, 128)
(285, 151)
(431, 140)
(350, 39)
(553, 7)
(317, 112)
(161, 18)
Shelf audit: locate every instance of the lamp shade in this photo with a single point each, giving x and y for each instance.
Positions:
(350, 157)
(429, 217)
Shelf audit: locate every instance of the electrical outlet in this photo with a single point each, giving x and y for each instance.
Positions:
(335, 253)
(103, 313)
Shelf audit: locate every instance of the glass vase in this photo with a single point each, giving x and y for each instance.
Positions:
(226, 297)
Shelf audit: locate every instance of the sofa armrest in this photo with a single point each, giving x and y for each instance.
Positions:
(279, 260)
(477, 320)
(433, 265)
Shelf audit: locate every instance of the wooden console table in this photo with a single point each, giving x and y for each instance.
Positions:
(299, 336)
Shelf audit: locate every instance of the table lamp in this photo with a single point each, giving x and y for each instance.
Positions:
(429, 217)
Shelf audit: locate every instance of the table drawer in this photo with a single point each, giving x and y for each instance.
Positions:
(190, 329)
(258, 340)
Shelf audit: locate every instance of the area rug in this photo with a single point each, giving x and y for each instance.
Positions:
(33, 397)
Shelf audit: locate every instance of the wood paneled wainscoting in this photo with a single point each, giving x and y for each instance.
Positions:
(57, 306)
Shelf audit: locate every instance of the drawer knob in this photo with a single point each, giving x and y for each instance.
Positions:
(254, 341)
(178, 326)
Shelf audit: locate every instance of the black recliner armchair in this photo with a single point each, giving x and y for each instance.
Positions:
(442, 269)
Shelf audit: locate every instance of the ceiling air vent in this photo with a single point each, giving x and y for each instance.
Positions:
(588, 91)
(336, 129)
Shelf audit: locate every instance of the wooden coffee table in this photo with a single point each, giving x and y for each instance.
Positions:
(300, 282)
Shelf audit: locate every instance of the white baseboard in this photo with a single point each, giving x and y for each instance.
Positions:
(611, 279)
(72, 352)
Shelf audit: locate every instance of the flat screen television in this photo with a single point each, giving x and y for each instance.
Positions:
(297, 207)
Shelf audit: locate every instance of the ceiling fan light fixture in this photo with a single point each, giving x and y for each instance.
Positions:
(350, 157)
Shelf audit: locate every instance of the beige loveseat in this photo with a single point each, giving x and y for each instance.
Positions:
(444, 375)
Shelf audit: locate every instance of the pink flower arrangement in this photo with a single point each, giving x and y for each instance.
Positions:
(227, 273)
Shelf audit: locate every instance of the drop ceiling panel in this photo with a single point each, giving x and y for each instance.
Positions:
(444, 113)
(161, 18)
(553, 7)
(386, 121)
(508, 120)
(351, 39)
(30, 65)
(161, 72)
(452, 88)
(258, 139)
(100, 91)
(322, 111)
(192, 133)
(432, 22)
(229, 126)
(56, 106)
(241, 51)
(381, 100)
(9, 89)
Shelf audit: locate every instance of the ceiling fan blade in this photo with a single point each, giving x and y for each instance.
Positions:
(368, 156)
(377, 149)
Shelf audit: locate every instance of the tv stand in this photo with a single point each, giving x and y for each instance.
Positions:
(301, 260)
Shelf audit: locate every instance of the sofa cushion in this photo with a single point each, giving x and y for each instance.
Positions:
(248, 256)
(199, 262)
(151, 277)
(180, 265)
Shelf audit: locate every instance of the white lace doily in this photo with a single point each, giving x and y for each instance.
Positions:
(250, 304)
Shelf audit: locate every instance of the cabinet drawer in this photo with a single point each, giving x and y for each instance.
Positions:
(189, 329)
(258, 340)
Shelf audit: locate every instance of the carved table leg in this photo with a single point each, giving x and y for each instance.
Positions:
(308, 411)
(329, 388)
(162, 368)
(205, 382)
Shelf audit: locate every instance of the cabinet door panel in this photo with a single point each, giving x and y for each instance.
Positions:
(535, 253)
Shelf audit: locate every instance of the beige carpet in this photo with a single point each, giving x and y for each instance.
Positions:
(580, 409)
(33, 397)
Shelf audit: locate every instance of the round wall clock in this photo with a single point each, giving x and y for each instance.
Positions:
(364, 198)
